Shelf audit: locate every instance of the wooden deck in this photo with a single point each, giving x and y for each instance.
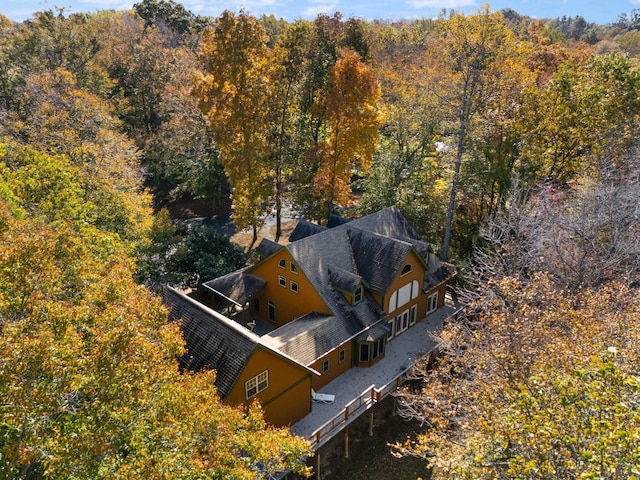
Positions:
(357, 390)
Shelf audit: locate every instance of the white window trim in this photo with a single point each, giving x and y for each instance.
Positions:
(282, 281)
(357, 300)
(297, 287)
(328, 364)
(256, 384)
(432, 302)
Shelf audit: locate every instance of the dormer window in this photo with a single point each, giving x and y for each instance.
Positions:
(358, 295)
(282, 263)
(406, 269)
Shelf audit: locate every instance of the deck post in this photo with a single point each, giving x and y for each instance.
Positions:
(371, 422)
(318, 476)
(346, 442)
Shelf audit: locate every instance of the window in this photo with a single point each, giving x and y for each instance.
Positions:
(378, 348)
(272, 311)
(256, 304)
(282, 263)
(357, 297)
(432, 302)
(406, 269)
(325, 366)
(294, 269)
(341, 355)
(391, 333)
(282, 281)
(364, 352)
(294, 286)
(255, 385)
(402, 322)
(412, 314)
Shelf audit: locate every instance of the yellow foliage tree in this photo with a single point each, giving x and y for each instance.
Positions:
(89, 377)
(233, 93)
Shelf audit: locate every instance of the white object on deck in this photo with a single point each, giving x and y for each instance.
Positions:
(322, 397)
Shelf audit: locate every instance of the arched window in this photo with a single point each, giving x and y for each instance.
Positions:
(282, 263)
(406, 269)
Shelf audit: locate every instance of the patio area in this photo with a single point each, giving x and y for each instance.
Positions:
(360, 388)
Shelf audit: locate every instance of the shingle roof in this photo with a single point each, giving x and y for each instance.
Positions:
(212, 341)
(375, 332)
(378, 259)
(391, 223)
(267, 247)
(305, 229)
(312, 336)
(441, 272)
(343, 279)
(238, 287)
(336, 220)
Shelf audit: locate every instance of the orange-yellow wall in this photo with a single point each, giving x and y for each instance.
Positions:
(335, 368)
(289, 305)
(287, 399)
(416, 274)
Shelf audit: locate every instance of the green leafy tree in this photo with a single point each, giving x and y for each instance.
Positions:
(203, 255)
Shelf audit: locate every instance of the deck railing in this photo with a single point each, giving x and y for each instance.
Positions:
(363, 402)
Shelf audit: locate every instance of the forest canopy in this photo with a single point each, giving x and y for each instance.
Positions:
(510, 143)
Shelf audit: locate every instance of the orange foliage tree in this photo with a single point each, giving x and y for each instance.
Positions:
(351, 123)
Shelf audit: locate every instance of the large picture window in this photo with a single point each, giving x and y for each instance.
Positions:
(255, 385)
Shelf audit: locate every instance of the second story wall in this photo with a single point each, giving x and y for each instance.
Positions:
(405, 302)
(288, 293)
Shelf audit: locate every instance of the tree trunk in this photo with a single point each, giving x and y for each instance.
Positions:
(462, 132)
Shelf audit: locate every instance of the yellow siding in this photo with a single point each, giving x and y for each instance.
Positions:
(287, 399)
(335, 367)
(289, 305)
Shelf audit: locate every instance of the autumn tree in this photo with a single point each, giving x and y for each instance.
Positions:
(232, 93)
(476, 53)
(59, 117)
(88, 362)
(586, 114)
(351, 121)
(404, 170)
(533, 383)
(286, 75)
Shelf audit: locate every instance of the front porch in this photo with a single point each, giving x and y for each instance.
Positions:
(358, 389)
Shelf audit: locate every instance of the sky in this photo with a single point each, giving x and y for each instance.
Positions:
(598, 11)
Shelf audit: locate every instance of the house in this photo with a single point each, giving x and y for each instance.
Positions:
(308, 311)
